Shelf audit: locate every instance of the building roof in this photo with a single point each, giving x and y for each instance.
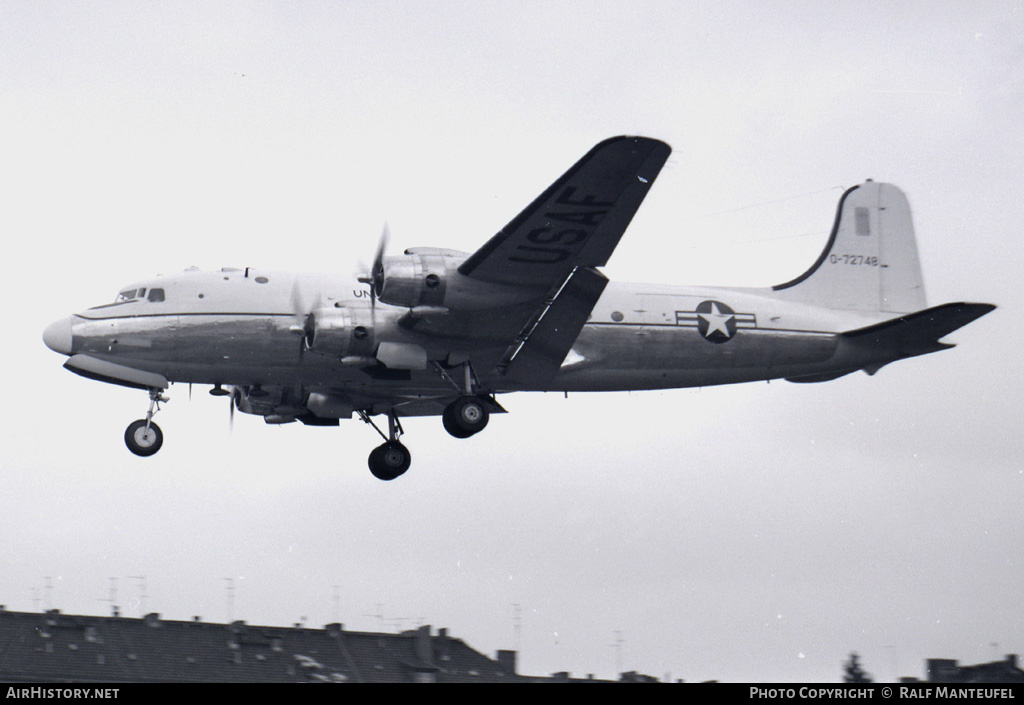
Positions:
(54, 647)
(942, 670)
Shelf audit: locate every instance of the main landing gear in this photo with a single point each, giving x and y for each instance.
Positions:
(143, 437)
(465, 417)
(468, 414)
(391, 459)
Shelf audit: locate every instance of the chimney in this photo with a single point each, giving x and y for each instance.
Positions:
(152, 619)
(422, 644)
(1011, 659)
(442, 644)
(507, 661)
(941, 670)
(334, 629)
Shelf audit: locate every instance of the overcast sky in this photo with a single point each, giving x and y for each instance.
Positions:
(756, 532)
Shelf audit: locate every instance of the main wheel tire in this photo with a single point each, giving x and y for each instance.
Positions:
(141, 441)
(451, 426)
(389, 460)
(465, 417)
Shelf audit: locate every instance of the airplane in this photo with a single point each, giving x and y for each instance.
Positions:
(441, 332)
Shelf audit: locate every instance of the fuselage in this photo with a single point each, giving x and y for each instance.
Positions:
(441, 332)
(245, 327)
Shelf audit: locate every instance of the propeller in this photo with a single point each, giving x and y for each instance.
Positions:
(376, 276)
(232, 402)
(302, 310)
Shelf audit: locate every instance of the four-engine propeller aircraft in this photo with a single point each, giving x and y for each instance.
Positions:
(441, 332)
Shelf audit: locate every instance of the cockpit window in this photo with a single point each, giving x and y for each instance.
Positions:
(129, 295)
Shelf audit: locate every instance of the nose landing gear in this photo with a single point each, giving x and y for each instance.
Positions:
(143, 437)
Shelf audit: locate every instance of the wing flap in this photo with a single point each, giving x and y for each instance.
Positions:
(547, 343)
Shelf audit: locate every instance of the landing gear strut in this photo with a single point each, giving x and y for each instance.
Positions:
(143, 437)
(391, 459)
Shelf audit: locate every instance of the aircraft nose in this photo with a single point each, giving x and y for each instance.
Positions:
(57, 336)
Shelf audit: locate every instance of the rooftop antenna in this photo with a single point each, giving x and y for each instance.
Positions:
(49, 589)
(231, 598)
(35, 597)
(618, 646)
(142, 592)
(336, 598)
(399, 622)
(517, 623)
(113, 597)
(892, 652)
(379, 616)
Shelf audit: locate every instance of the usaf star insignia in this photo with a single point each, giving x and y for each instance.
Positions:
(716, 321)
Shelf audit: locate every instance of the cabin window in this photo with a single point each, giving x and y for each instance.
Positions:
(156, 294)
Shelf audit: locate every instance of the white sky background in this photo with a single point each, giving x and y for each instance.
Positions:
(758, 532)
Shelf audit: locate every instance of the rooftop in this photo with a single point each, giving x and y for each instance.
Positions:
(54, 647)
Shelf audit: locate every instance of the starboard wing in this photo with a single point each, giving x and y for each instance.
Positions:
(577, 221)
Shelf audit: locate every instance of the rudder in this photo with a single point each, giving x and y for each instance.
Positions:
(870, 262)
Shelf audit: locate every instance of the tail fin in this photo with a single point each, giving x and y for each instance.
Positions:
(870, 262)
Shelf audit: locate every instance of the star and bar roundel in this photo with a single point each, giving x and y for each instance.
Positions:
(716, 322)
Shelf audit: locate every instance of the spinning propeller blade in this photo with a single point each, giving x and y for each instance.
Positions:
(376, 276)
(232, 401)
(303, 305)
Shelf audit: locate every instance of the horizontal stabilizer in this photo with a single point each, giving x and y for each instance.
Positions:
(918, 333)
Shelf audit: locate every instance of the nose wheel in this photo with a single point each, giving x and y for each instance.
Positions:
(143, 437)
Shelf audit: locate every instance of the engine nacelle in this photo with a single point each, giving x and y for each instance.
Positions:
(427, 276)
(340, 331)
(414, 279)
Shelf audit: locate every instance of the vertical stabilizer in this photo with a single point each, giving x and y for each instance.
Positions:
(870, 262)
